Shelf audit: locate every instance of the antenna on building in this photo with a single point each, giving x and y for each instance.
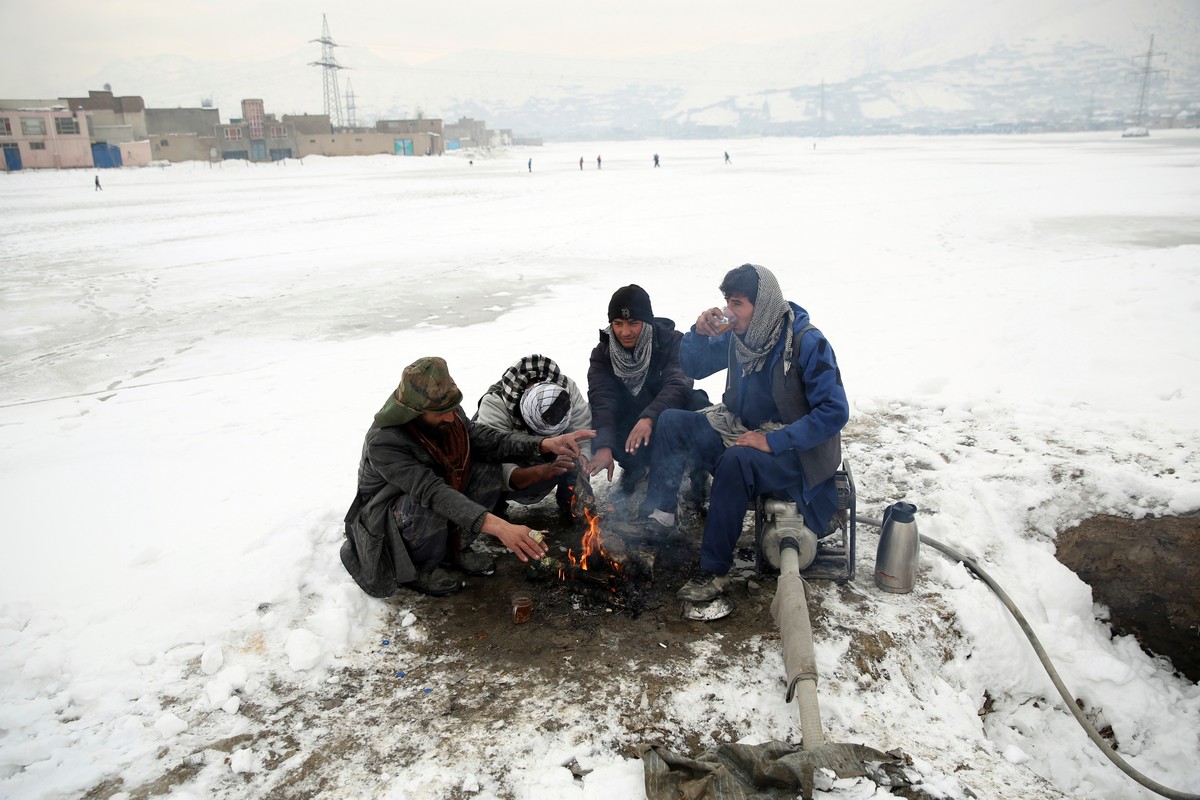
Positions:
(351, 120)
(330, 67)
(1146, 71)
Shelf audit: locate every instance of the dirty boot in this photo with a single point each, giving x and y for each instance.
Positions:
(472, 562)
(436, 582)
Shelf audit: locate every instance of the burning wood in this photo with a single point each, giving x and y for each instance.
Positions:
(583, 497)
(617, 577)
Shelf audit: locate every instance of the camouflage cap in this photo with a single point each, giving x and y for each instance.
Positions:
(425, 385)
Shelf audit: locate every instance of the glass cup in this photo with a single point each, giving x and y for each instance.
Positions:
(726, 321)
(522, 607)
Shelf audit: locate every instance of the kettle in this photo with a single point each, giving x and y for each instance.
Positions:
(899, 549)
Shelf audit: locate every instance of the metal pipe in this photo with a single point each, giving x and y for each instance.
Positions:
(796, 634)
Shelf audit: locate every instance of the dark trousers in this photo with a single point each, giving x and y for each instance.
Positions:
(426, 533)
(643, 458)
(685, 440)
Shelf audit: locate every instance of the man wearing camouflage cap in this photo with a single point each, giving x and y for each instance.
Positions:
(426, 480)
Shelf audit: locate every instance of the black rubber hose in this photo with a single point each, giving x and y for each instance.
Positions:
(1121, 763)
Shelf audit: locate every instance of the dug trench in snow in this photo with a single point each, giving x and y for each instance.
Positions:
(1070, 703)
(1146, 571)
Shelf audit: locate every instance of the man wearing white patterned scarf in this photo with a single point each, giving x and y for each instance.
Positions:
(533, 396)
(633, 376)
(777, 430)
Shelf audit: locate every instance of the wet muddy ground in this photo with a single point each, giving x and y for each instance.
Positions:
(1147, 573)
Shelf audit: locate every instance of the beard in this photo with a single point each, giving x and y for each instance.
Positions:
(435, 430)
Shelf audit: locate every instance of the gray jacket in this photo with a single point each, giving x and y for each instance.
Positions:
(394, 463)
(494, 413)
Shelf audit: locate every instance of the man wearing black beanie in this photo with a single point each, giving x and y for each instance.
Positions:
(633, 376)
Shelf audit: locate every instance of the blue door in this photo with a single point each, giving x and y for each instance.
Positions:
(258, 151)
(12, 156)
(106, 155)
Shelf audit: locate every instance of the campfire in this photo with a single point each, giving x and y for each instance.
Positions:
(594, 563)
(607, 572)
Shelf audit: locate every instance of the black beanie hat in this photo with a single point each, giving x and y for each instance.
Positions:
(630, 302)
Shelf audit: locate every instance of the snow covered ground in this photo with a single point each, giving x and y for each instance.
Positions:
(189, 358)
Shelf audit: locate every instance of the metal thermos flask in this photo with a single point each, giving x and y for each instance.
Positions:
(899, 549)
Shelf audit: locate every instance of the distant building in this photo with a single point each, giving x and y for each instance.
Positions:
(42, 135)
(309, 124)
(414, 136)
(114, 119)
(200, 121)
(257, 136)
(183, 134)
(121, 131)
(401, 137)
(467, 132)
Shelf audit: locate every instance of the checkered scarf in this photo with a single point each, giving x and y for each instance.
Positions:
(632, 366)
(773, 317)
(520, 376)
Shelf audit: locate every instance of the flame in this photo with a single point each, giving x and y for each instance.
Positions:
(593, 546)
(591, 538)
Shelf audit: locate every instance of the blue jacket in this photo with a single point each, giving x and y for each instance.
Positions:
(753, 398)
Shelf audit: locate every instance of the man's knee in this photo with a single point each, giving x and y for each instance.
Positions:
(737, 460)
(671, 421)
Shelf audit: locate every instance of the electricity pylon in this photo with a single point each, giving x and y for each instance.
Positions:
(330, 67)
(1147, 70)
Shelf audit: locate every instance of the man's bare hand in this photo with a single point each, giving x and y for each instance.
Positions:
(524, 477)
(566, 444)
(708, 322)
(602, 460)
(754, 439)
(639, 436)
(517, 538)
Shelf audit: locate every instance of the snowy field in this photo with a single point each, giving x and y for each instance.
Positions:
(189, 359)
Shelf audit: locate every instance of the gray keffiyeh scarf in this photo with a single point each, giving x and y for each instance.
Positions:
(773, 317)
(632, 366)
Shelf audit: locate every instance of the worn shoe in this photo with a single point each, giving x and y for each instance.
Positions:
(653, 529)
(703, 587)
(472, 562)
(435, 583)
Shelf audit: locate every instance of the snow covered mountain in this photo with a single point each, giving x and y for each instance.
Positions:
(943, 66)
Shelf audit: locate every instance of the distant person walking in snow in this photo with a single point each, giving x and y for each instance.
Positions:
(597, 162)
(531, 165)
(98, 188)
(656, 160)
(581, 163)
(427, 480)
(727, 161)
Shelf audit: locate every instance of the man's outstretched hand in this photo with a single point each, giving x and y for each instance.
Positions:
(517, 538)
(566, 444)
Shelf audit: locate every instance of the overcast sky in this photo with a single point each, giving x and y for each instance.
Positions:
(54, 45)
